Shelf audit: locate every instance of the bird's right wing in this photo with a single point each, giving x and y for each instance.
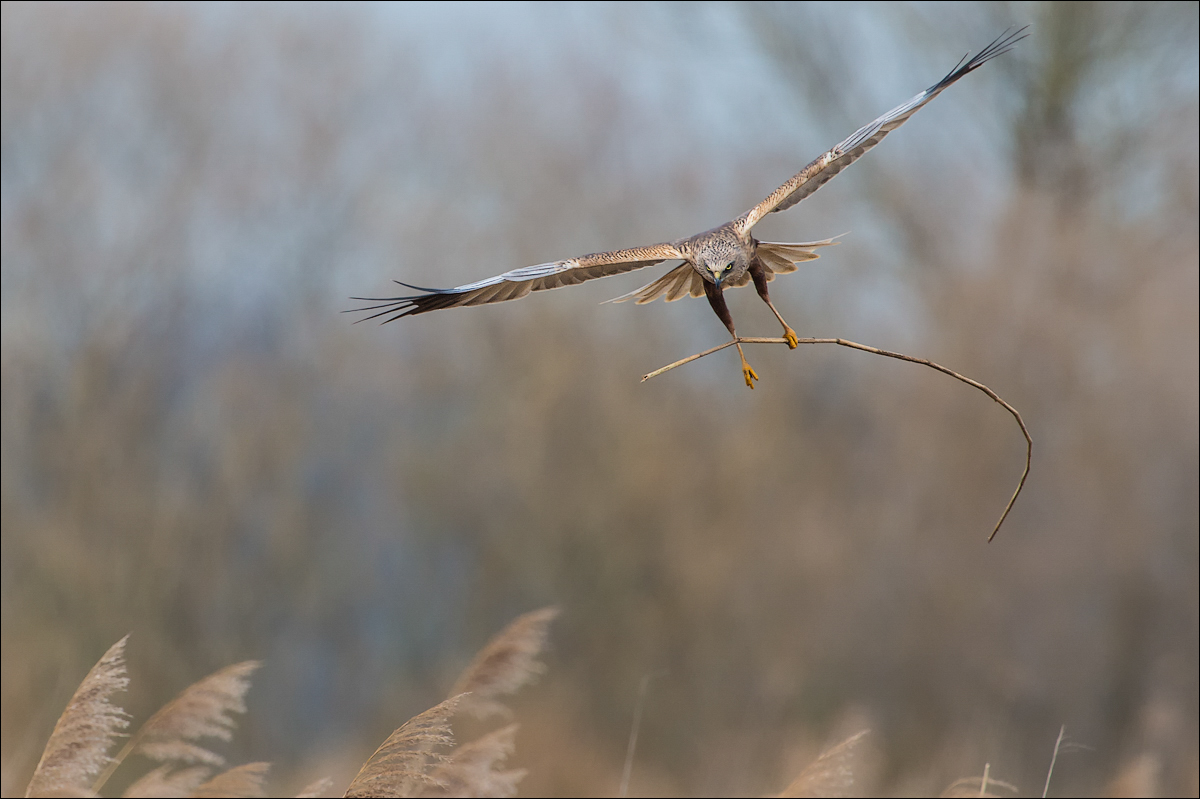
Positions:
(822, 170)
(519, 282)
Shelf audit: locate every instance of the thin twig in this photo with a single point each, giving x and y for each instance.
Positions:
(983, 783)
(899, 356)
(1057, 745)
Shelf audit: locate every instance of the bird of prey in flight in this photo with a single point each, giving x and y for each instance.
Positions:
(717, 259)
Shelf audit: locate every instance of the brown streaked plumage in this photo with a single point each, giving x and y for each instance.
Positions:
(712, 261)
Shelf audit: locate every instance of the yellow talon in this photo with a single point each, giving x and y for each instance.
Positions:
(790, 335)
(749, 374)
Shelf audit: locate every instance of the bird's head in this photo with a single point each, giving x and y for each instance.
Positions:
(721, 264)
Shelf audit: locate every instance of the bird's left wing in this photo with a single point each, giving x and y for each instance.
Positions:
(680, 282)
(822, 170)
(519, 282)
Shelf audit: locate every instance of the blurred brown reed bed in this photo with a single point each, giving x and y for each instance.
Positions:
(421, 758)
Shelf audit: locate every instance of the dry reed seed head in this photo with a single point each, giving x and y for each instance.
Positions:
(202, 710)
(831, 774)
(470, 770)
(78, 747)
(240, 781)
(506, 663)
(165, 781)
(399, 767)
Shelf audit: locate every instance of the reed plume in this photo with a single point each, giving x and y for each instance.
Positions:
(202, 710)
(165, 783)
(78, 747)
(506, 663)
(472, 769)
(400, 765)
(239, 781)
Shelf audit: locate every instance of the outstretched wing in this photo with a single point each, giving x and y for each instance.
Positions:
(519, 282)
(822, 170)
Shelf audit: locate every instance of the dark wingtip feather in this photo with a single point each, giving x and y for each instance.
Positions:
(408, 311)
(432, 300)
(388, 305)
(422, 288)
(998, 47)
(1001, 45)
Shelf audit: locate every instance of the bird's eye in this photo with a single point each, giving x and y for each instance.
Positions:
(729, 266)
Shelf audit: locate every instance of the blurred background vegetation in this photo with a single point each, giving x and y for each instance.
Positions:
(199, 449)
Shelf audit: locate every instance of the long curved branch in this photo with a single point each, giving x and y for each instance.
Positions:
(899, 356)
